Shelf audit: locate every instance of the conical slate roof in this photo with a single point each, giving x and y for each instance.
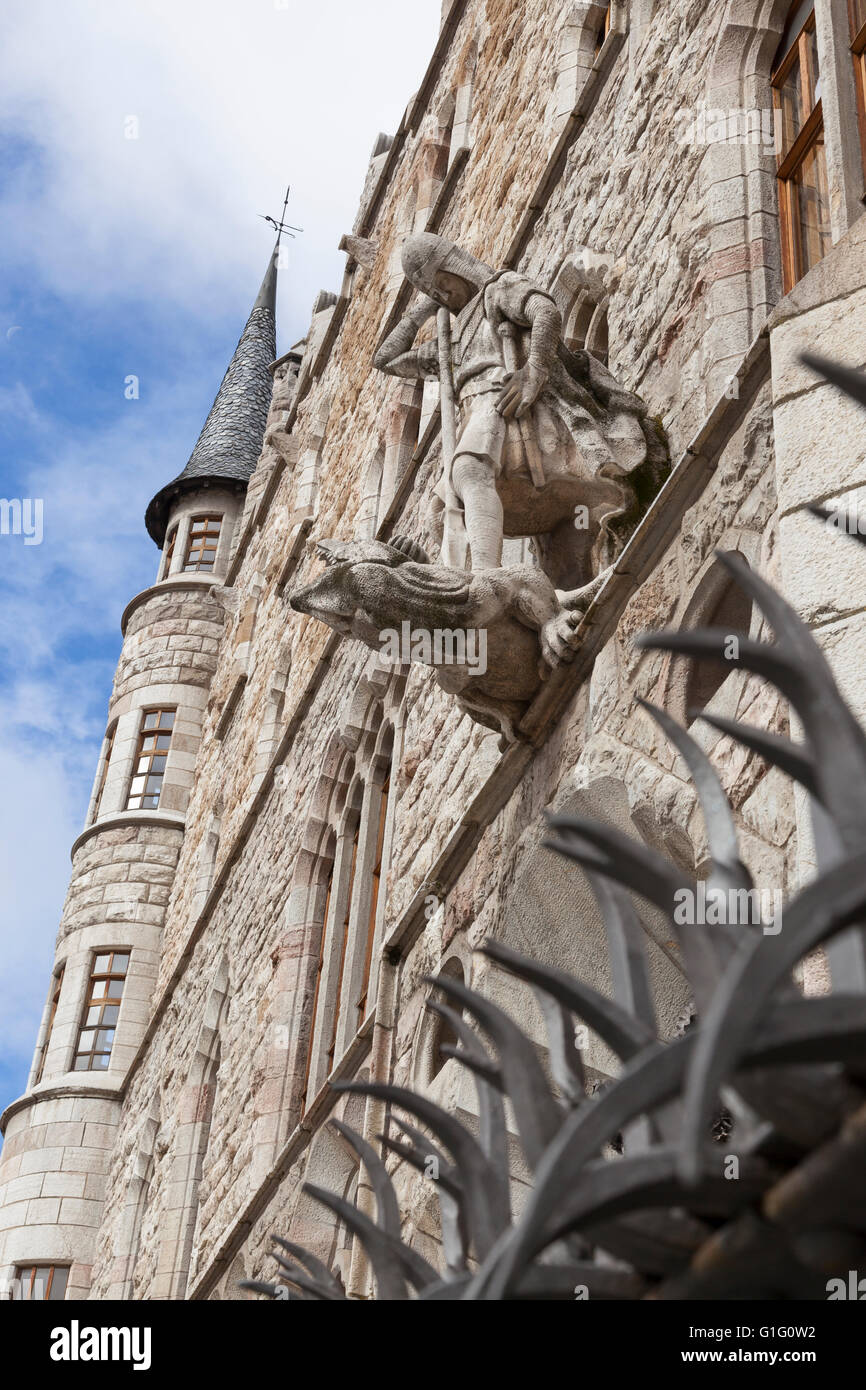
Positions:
(231, 441)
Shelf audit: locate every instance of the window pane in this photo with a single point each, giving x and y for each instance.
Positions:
(791, 102)
(121, 963)
(104, 1039)
(98, 988)
(109, 1013)
(101, 964)
(814, 70)
(93, 1016)
(813, 206)
(166, 719)
(82, 1064)
(100, 1062)
(150, 720)
(58, 1284)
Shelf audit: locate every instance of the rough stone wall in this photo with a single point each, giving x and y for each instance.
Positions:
(172, 639)
(116, 869)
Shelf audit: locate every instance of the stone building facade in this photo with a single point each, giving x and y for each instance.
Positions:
(316, 831)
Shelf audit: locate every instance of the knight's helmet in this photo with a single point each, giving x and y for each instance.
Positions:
(426, 253)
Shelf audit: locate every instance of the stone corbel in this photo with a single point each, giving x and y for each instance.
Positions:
(361, 250)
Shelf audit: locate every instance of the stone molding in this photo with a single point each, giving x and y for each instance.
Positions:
(177, 583)
(169, 820)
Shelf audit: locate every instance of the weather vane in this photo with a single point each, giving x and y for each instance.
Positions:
(282, 225)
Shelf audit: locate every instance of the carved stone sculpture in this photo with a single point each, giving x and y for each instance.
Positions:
(548, 444)
(509, 626)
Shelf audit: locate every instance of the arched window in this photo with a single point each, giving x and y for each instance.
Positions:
(804, 196)
(603, 31)
(192, 1137)
(56, 986)
(350, 868)
(375, 880)
(443, 1033)
(103, 774)
(368, 513)
(344, 924)
(729, 610)
(168, 553)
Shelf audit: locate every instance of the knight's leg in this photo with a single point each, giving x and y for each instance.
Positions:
(475, 485)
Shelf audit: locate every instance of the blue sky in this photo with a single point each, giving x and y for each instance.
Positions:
(141, 257)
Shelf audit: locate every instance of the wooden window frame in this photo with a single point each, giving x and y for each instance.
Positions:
(858, 54)
(144, 751)
(110, 998)
(104, 777)
(57, 985)
(790, 161)
(21, 1271)
(197, 547)
(604, 31)
(168, 556)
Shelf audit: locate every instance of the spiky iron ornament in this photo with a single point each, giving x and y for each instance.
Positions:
(792, 1069)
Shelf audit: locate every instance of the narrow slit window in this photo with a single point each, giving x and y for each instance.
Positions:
(154, 741)
(804, 201)
(169, 551)
(42, 1283)
(319, 968)
(102, 1006)
(55, 1000)
(104, 777)
(603, 31)
(374, 900)
(857, 10)
(343, 947)
(204, 534)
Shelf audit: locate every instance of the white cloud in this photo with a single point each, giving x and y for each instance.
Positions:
(233, 99)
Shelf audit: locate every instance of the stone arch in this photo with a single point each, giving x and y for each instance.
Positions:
(433, 1031)
(301, 954)
(744, 268)
(715, 600)
(310, 462)
(192, 1134)
(461, 130)
(577, 47)
(275, 705)
(402, 426)
(129, 1242)
(552, 914)
(367, 520)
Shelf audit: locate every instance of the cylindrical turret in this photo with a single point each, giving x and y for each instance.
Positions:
(59, 1133)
